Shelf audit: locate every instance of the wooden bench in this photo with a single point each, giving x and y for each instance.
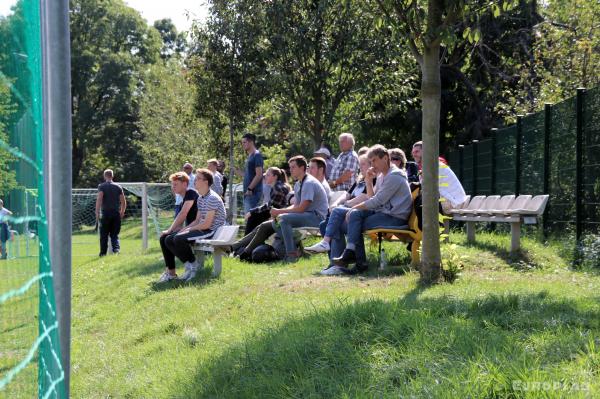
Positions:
(218, 244)
(523, 209)
(409, 233)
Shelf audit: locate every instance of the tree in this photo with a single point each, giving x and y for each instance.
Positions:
(174, 43)
(425, 25)
(110, 44)
(322, 51)
(228, 64)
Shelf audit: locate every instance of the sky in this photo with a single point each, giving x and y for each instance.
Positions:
(152, 10)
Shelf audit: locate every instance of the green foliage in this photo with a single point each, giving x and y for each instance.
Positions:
(588, 252)
(174, 43)
(171, 132)
(110, 46)
(275, 155)
(7, 172)
(453, 262)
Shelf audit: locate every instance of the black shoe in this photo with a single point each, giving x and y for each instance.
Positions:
(348, 257)
(358, 269)
(245, 256)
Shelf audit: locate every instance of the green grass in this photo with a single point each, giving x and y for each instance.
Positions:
(523, 326)
(271, 331)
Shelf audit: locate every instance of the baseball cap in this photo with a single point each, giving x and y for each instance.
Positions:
(323, 151)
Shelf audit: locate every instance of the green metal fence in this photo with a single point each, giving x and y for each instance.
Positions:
(555, 152)
(30, 355)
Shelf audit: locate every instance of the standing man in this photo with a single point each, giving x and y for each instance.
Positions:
(4, 230)
(217, 187)
(345, 169)
(112, 202)
(253, 173)
(188, 168)
(221, 169)
(310, 207)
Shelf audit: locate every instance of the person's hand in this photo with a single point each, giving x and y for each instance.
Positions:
(371, 174)
(275, 212)
(165, 232)
(247, 216)
(183, 231)
(332, 183)
(248, 193)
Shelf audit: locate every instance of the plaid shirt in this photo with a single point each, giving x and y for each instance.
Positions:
(345, 161)
(279, 198)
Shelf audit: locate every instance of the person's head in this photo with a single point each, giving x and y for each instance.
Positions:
(248, 142)
(179, 182)
(221, 166)
(363, 150)
(417, 149)
(317, 168)
(204, 179)
(346, 142)
(322, 153)
(274, 175)
(364, 164)
(109, 175)
(212, 165)
(298, 166)
(379, 157)
(188, 168)
(398, 158)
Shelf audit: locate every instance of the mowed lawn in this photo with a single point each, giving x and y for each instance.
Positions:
(508, 327)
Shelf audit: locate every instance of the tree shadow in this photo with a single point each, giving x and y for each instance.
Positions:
(412, 347)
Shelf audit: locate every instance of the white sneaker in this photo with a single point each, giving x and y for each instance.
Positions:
(318, 248)
(334, 271)
(166, 276)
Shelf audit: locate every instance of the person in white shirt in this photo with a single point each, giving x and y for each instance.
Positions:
(4, 230)
(217, 186)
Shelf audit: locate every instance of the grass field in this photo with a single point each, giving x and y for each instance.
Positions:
(508, 327)
(523, 327)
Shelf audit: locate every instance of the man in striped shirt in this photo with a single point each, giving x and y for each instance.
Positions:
(210, 216)
(345, 169)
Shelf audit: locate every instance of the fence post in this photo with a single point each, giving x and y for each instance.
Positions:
(493, 177)
(461, 164)
(547, 129)
(579, 164)
(475, 161)
(144, 216)
(519, 139)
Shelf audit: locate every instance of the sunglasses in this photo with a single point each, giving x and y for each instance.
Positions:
(396, 159)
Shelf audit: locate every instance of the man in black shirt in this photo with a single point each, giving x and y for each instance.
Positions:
(112, 202)
(187, 214)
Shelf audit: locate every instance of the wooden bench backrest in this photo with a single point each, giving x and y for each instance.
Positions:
(413, 220)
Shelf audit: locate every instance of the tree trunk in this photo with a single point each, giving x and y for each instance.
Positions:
(232, 198)
(431, 103)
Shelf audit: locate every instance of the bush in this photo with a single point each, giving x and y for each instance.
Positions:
(452, 262)
(588, 252)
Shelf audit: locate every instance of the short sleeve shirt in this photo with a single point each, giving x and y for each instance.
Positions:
(191, 195)
(346, 161)
(312, 190)
(212, 202)
(254, 161)
(110, 198)
(3, 214)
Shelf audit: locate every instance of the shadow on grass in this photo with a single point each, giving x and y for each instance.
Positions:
(520, 261)
(413, 347)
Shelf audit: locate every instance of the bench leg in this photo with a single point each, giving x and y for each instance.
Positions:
(414, 254)
(199, 258)
(470, 231)
(515, 237)
(217, 262)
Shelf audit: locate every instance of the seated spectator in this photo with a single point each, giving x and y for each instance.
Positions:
(452, 193)
(188, 169)
(317, 168)
(310, 207)
(345, 169)
(217, 186)
(363, 150)
(210, 216)
(389, 206)
(279, 191)
(398, 158)
(354, 196)
(326, 155)
(4, 230)
(187, 214)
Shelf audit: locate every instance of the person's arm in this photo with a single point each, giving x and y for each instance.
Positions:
(256, 181)
(293, 209)
(8, 212)
(122, 205)
(357, 200)
(369, 178)
(384, 193)
(180, 219)
(99, 200)
(188, 228)
(344, 177)
(206, 223)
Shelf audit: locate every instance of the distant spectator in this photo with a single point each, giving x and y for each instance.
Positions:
(225, 181)
(217, 187)
(279, 193)
(187, 214)
(398, 158)
(111, 201)
(188, 168)
(253, 173)
(345, 170)
(316, 168)
(363, 150)
(326, 155)
(4, 230)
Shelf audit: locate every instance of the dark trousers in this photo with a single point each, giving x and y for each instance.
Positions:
(110, 225)
(179, 245)
(255, 219)
(256, 237)
(167, 254)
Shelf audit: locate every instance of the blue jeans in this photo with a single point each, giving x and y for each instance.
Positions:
(288, 221)
(336, 218)
(358, 222)
(252, 201)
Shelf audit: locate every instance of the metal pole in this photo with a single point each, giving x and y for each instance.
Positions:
(519, 140)
(461, 162)
(231, 216)
(547, 129)
(57, 128)
(144, 217)
(475, 161)
(493, 160)
(579, 165)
